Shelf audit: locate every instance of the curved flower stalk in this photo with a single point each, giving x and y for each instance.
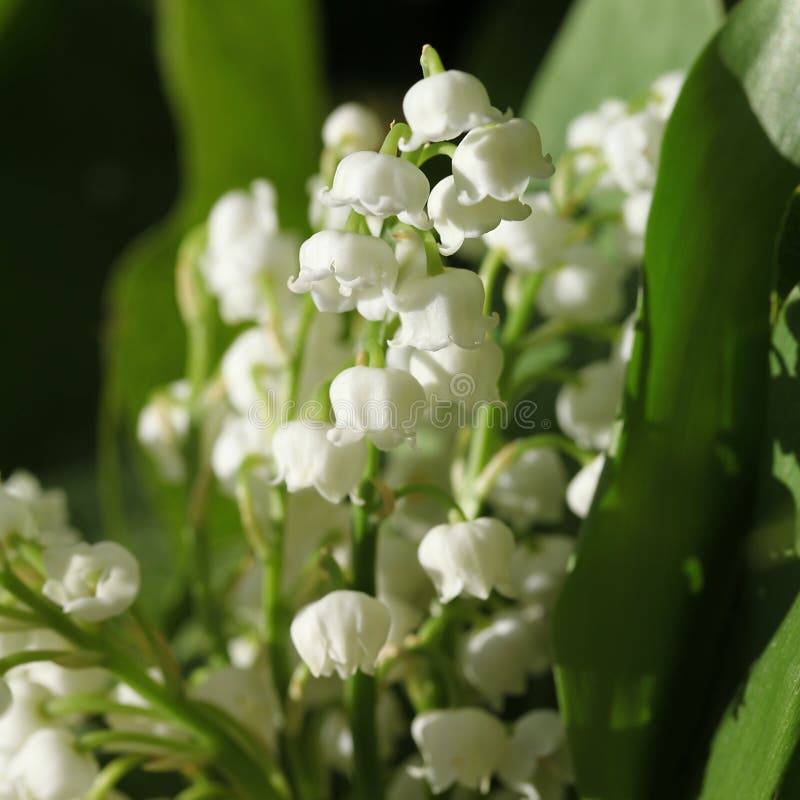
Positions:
(380, 503)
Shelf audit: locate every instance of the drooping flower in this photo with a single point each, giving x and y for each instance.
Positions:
(453, 375)
(381, 403)
(443, 309)
(351, 127)
(93, 582)
(587, 408)
(305, 457)
(586, 134)
(536, 242)
(583, 486)
(463, 745)
(499, 161)
(240, 439)
(445, 105)
(531, 489)
(536, 763)
(664, 93)
(24, 714)
(48, 507)
(162, 429)
(469, 558)
(380, 185)
(15, 516)
(631, 147)
(455, 222)
(539, 571)
(343, 632)
(345, 270)
(635, 213)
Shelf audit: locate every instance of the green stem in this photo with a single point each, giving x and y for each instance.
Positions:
(31, 657)
(397, 132)
(275, 617)
(554, 328)
(520, 314)
(96, 704)
(489, 271)
(105, 739)
(445, 498)
(430, 151)
(430, 61)
(296, 362)
(112, 774)
(432, 255)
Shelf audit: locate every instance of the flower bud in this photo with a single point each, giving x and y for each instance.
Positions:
(345, 270)
(382, 186)
(583, 289)
(93, 582)
(464, 745)
(343, 632)
(438, 310)
(351, 127)
(383, 404)
(531, 489)
(49, 766)
(305, 457)
(445, 105)
(453, 374)
(455, 222)
(583, 486)
(586, 410)
(162, 429)
(536, 242)
(499, 161)
(469, 558)
(536, 763)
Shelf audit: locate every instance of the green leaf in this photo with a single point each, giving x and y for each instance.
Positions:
(614, 48)
(638, 625)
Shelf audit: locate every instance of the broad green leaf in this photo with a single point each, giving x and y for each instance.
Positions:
(638, 625)
(614, 48)
(245, 83)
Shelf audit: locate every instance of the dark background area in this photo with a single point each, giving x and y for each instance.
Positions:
(88, 159)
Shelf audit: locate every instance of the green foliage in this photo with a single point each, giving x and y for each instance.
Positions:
(638, 626)
(614, 48)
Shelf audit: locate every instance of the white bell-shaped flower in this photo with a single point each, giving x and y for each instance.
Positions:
(462, 745)
(343, 632)
(664, 93)
(246, 252)
(631, 148)
(586, 134)
(253, 369)
(531, 489)
(93, 582)
(383, 404)
(582, 289)
(49, 766)
(162, 429)
(534, 243)
(635, 213)
(320, 216)
(536, 763)
(469, 558)
(24, 714)
(583, 486)
(48, 508)
(498, 659)
(15, 516)
(455, 222)
(351, 127)
(452, 375)
(443, 309)
(587, 408)
(499, 161)
(345, 270)
(539, 571)
(445, 105)
(239, 439)
(380, 185)
(248, 695)
(305, 458)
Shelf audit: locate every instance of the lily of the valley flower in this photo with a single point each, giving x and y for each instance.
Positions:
(383, 404)
(499, 161)
(445, 105)
(583, 486)
(380, 185)
(239, 439)
(531, 489)
(455, 222)
(92, 582)
(539, 571)
(162, 429)
(343, 632)
(469, 558)
(346, 270)
(453, 374)
(464, 745)
(631, 147)
(586, 134)
(351, 127)
(6, 698)
(48, 507)
(15, 516)
(305, 457)
(443, 309)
